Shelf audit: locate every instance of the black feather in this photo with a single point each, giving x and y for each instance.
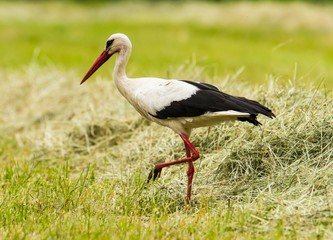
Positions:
(209, 99)
(203, 86)
(108, 43)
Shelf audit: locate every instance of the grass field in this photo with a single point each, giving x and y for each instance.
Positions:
(74, 159)
(265, 39)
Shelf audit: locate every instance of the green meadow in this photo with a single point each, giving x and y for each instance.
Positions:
(74, 159)
(264, 40)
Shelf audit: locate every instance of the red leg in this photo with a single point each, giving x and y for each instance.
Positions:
(190, 172)
(191, 155)
(159, 166)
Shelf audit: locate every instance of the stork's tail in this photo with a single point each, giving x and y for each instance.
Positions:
(254, 108)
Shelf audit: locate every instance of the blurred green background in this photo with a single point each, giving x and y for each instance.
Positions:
(286, 40)
(174, 1)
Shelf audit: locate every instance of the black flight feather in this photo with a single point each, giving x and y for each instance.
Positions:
(209, 99)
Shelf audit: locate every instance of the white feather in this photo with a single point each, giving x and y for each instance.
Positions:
(153, 94)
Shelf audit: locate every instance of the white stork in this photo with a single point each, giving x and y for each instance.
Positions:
(178, 104)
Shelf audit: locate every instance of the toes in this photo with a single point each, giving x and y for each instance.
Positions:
(154, 174)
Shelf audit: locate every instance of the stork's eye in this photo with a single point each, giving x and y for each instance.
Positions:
(108, 43)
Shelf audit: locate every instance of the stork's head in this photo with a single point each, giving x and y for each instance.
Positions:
(116, 43)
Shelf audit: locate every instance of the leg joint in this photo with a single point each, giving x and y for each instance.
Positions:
(195, 156)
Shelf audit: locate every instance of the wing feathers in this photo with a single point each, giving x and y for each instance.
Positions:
(209, 99)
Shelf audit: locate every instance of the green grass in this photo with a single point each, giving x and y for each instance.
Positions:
(223, 38)
(72, 169)
(74, 159)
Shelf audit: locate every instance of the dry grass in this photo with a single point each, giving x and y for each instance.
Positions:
(75, 160)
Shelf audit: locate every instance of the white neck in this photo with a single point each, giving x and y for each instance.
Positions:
(119, 72)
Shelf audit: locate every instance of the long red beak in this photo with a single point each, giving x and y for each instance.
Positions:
(99, 62)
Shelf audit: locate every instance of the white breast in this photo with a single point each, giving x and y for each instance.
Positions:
(153, 94)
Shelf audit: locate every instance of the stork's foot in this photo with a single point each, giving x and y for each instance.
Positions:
(154, 174)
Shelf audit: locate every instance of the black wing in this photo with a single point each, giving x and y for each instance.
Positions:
(202, 86)
(208, 98)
